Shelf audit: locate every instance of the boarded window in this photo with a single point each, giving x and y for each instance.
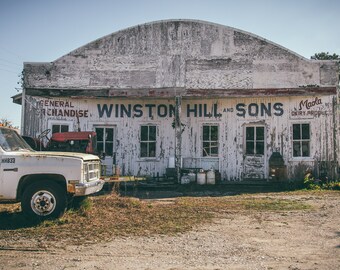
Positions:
(210, 140)
(255, 140)
(301, 140)
(148, 141)
(105, 139)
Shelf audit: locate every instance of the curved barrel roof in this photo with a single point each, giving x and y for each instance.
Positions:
(179, 54)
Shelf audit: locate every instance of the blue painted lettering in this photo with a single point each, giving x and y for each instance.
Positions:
(137, 109)
(266, 110)
(172, 110)
(193, 110)
(278, 109)
(104, 109)
(162, 111)
(152, 110)
(241, 110)
(124, 110)
(254, 109)
(150, 106)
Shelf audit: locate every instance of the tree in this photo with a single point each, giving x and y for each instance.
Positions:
(6, 123)
(325, 56)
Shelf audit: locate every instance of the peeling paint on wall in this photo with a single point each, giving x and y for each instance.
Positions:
(231, 161)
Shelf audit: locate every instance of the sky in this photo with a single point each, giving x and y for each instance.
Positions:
(45, 30)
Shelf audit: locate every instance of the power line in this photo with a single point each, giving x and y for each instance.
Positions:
(13, 53)
(8, 66)
(9, 62)
(18, 73)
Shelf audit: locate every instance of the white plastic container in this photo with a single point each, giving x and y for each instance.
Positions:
(185, 179)
(192, 176)
(201, 178)
(211, 177)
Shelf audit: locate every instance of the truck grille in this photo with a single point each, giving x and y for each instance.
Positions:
(91, 171)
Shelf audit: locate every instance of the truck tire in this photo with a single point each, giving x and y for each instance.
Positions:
(44, 200)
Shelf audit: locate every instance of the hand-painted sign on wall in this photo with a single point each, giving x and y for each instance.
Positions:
(307, 107)
(61, 108)
(255, 109)
(192, 110)
(202, 110)
(151, 110)
(309, 104)
(135, 110)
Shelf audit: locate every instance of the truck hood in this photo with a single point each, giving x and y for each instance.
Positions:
(82, 156)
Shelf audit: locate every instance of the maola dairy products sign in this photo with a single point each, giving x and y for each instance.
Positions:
(312, 107)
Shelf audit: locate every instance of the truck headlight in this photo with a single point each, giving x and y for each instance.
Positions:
(86, 172)
(91, 171)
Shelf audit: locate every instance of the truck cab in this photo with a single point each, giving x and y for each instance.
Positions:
(44, 182)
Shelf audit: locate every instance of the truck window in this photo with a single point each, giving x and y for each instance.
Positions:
(11, 141)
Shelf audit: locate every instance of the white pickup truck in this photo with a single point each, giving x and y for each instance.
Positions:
(44, 182)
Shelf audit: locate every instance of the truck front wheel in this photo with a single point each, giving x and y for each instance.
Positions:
(44, 200)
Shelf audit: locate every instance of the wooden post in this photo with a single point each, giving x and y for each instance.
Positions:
(178, 137)
(336, 114)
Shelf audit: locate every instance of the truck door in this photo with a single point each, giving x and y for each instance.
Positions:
(106, 146)
(8, 173)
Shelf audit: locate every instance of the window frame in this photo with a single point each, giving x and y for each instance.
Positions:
(59, 123)
(60, 128)
(148, 141)
(301, 140)
(210, 141)
(255, 140)
(114, 129)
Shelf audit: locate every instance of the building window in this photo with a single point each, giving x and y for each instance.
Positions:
(59, 128)
(255, 140)
(301, 140)
(210, 141)
(148, 141)
(105, 139)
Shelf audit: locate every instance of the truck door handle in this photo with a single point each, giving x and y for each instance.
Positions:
(11, 170)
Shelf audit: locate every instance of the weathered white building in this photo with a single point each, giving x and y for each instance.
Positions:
(207, 94)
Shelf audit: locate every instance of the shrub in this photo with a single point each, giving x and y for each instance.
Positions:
(331, 186)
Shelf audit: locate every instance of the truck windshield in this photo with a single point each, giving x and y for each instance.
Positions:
(11, 141)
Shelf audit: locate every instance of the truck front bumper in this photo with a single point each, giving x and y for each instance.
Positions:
(83, 189)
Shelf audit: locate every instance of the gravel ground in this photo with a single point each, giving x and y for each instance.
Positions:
(243, 240)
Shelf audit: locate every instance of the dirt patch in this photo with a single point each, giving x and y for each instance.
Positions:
(236, 238)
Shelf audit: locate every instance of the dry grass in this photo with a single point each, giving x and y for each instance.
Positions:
(105, 217)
